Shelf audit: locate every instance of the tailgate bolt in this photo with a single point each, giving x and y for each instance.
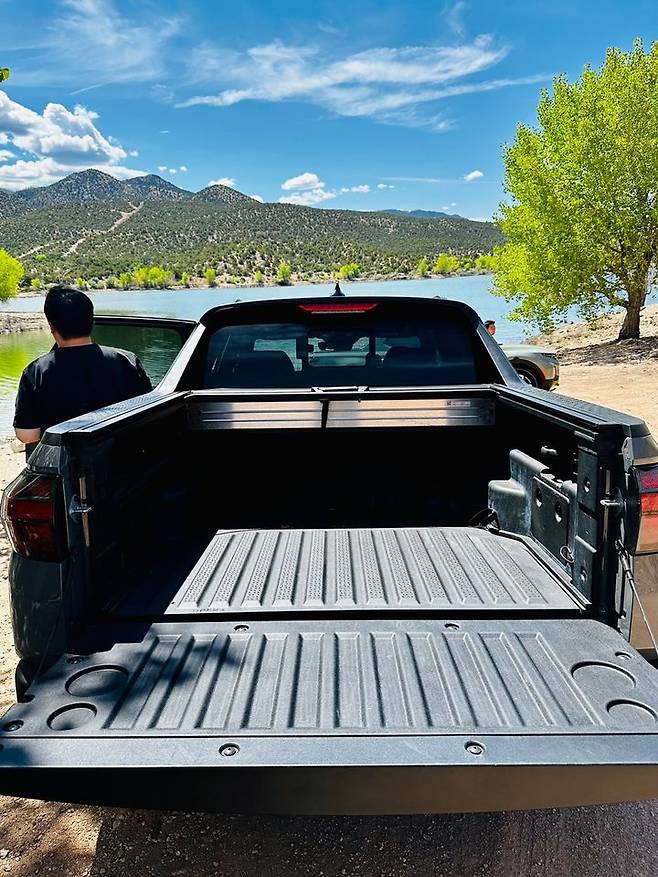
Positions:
(474, 748)
(229, 749)
(75, 659)
(12, 726)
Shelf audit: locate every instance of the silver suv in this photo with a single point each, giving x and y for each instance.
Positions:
(538, 366)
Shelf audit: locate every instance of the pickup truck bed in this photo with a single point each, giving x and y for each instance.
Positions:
(382, 570)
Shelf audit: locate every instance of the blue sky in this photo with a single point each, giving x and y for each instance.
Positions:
(336, 104)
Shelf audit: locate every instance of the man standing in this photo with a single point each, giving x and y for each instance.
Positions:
(490, 326)
(76, 376)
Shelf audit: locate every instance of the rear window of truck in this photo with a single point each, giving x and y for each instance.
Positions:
(346, 349)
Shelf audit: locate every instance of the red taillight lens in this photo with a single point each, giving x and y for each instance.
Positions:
(343, 307)
(647, 542)
(31, 509)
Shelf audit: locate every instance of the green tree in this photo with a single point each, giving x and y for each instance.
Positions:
(283, 274)
(81, 283)
(41, 257)
(445, 264)
(582, 225)
(211, 276)
(185, 278)
(35, 283)
(258, 277)
(158, 277)
(349, 271)
(423, 267)
(125, 280)
(140, 276)
(485, 262)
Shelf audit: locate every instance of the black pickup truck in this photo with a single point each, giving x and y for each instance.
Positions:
(341, 560)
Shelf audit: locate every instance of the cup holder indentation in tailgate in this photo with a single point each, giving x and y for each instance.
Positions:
(96, 680)
(632, 712)
(594, 674)
(71, 717)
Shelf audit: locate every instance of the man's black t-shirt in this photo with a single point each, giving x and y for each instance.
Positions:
(69, 381)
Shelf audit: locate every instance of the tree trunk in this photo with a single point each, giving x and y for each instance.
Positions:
(630, 328)
(637, 295)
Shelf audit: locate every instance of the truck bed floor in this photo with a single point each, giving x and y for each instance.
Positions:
(366, 570)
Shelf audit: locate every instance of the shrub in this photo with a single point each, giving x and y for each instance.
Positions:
(283, 274)
(446, 264)
(349, 272)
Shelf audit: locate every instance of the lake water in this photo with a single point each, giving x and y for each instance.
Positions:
(20, 348)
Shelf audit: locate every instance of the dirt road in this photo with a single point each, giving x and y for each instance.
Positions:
(50, 839)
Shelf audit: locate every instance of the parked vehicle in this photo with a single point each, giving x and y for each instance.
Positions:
(538, 366)
(341, 560)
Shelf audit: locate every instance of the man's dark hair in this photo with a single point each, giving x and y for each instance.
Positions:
(69, 311)
(488, 323)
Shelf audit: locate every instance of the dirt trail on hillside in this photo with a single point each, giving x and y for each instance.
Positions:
(124, 216)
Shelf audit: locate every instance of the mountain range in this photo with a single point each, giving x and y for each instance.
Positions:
(422, 214)
(94, 225)
(90, 186)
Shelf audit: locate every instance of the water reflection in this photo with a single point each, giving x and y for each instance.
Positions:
(156, 348)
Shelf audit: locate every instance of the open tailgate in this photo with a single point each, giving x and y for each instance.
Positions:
(354, 716)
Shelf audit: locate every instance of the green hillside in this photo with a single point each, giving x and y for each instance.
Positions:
(93, 226)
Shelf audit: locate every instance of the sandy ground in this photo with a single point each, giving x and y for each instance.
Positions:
(52, 839)
(621, 375)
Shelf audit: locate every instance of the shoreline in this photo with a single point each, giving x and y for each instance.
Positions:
(21, 321)
(224, 283)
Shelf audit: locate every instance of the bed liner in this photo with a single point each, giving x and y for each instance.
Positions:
(391, 569)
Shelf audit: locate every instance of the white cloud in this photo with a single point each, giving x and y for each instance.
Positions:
(307, 189)
(93, 41)
(223, 181)
(387, 84)
(384, 186)
(4, 138)
(183, 168)
(164, 94)
(303, 181)
(133, 153)
(308, 198)
(364, 188)
(164, 131)
(162, 168)
(454, 17)
(473, 175)
(6, 154)
(449, 206)
(258, 198)
(172, 170)
(55, 143)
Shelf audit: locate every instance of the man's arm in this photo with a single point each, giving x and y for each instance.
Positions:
(26, 420)
(27, 436)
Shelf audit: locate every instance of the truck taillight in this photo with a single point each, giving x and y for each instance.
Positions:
(32, 510)
(647, 542)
